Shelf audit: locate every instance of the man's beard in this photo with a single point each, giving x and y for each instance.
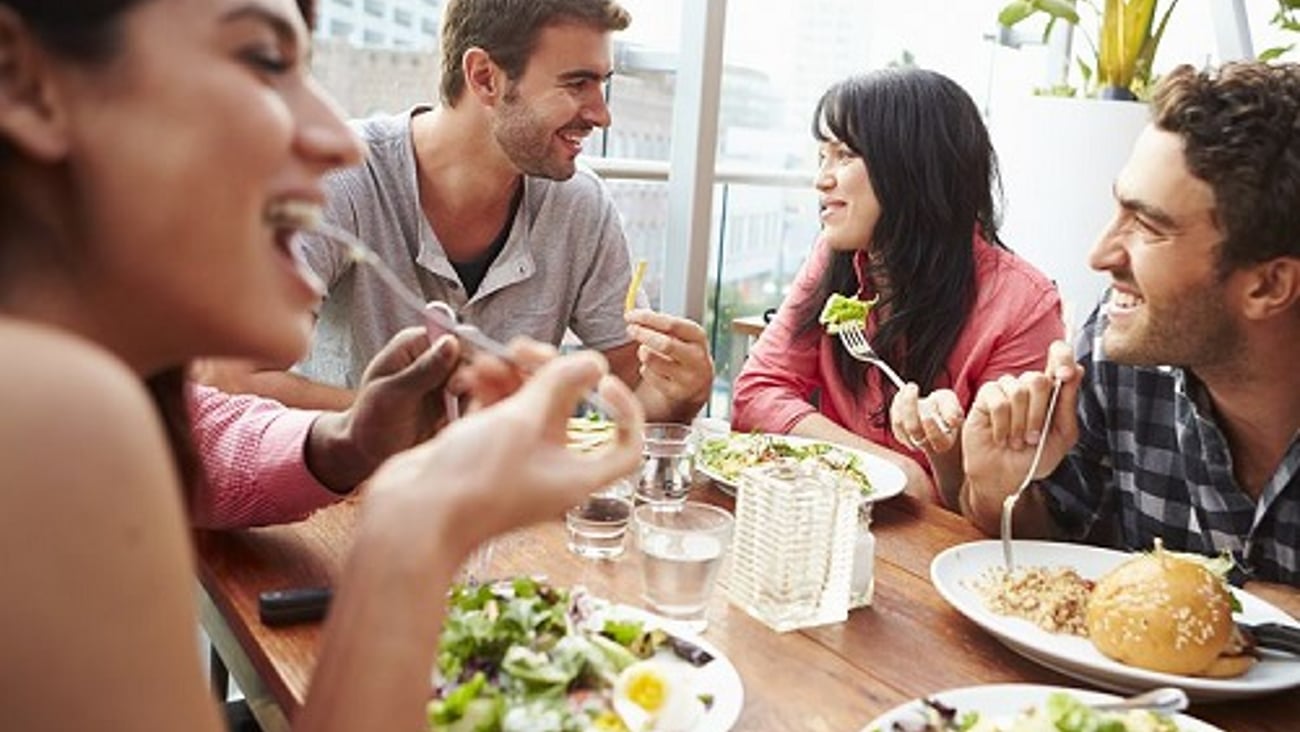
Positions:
(1192, 330)
(528, 143)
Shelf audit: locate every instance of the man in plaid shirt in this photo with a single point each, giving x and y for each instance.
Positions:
(1181, 418)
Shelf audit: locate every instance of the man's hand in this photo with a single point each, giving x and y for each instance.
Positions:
(399, 405)
(1001, 433)
(675, 367)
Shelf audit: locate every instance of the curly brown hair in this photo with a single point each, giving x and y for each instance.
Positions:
(1240, 127)
(508, 29)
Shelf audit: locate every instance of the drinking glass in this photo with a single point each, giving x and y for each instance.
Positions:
(667, 463)
(598, 526)
(681, 548)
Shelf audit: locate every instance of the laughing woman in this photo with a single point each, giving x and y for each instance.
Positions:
(907, 181)
(142, 143)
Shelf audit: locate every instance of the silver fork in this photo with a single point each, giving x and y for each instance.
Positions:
(1165, 700)
(438, 316)
(1009, 503)
(854, 338)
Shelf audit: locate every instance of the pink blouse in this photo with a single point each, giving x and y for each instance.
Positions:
(1017, 314)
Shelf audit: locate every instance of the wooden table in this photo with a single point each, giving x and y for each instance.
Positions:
(909, 643)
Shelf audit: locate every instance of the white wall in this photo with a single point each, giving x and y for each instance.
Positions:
(1059, 158)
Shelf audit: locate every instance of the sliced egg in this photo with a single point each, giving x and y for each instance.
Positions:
(651, 697)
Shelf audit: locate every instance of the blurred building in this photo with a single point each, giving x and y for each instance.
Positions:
(367, 81)
(381, 24)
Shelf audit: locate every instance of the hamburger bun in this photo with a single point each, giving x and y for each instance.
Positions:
(1164, 613)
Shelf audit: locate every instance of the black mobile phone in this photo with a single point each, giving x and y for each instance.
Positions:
(293, 606)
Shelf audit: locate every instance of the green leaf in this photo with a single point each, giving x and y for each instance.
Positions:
(623, 632)
(1015, 12)
(1058, 9)
(1274, 53)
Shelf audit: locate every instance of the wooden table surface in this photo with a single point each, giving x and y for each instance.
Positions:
(909, 643)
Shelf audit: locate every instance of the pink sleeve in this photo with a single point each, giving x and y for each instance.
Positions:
(775, 386)
(254, 469)
(1025, 348)
(1015, 320)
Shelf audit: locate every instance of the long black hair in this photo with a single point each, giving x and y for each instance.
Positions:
(89, 32)
(935, 176)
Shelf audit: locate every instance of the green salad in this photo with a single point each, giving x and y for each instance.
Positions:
(840, 309)
(726, 456)
(523, 655)
(1059, 713)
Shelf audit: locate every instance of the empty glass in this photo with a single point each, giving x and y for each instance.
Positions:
(667, 462)
(681, 550)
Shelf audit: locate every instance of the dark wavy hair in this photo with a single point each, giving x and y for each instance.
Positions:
(508, 30)
(1240, 127)
(935, 175)
(89, 32)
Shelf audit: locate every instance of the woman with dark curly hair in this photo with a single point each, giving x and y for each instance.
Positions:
(145, 148)
(908, 181)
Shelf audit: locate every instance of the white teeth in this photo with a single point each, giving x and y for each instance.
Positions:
(294, 214)
(1125, 299)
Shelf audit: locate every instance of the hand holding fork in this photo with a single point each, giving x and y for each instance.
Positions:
(854, 338)
(1019, 430)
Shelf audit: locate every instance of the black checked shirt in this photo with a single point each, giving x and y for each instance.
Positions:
(1152, 463)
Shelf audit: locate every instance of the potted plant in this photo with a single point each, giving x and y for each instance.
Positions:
(1123, 46)
(1287, 18)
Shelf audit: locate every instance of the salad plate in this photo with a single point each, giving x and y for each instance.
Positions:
(1003, 702)
(523, 654)
(718, 679)
(721, 459)
(956, 570)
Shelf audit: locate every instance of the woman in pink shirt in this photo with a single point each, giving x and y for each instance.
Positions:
(907, 181)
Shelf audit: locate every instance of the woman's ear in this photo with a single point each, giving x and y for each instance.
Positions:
(31, 118)
(483, 78)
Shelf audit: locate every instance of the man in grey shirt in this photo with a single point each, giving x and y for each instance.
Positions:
(479, 203)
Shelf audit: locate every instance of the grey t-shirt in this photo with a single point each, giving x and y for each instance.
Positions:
(565, 264)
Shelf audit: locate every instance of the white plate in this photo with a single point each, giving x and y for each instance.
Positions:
(717, 677)
(887, 480)
(954, 571)
(998, 700)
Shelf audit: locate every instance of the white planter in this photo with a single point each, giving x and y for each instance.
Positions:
(1059, 158)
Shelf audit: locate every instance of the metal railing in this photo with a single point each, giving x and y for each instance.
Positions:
(657, 171)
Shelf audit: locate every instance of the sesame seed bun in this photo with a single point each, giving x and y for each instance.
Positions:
(1159, 612)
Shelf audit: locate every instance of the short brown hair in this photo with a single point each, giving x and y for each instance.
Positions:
(508, 29)
(1240, 127)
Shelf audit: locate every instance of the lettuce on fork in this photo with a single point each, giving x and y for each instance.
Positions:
(840, 310)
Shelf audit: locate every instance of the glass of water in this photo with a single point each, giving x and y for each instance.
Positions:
(667, 463)
(681, 550)
(596, 527)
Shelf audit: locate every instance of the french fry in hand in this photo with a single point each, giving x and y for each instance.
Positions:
(638, 273)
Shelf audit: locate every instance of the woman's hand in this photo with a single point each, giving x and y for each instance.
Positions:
(508, 465)
(931, 423)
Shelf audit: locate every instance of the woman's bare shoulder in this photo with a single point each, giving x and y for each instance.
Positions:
(73, 412)
(49, 366)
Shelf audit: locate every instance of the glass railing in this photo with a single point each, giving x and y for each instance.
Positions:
(764, 225)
